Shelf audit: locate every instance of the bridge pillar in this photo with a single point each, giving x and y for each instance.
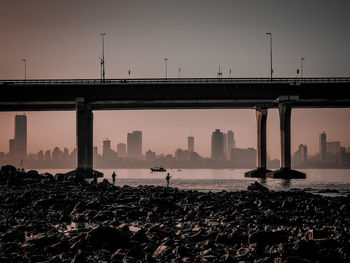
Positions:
(84, 140)
(84, 131)
(285, 172)
(261, 118)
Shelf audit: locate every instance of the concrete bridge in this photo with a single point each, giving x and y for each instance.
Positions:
(86, 95)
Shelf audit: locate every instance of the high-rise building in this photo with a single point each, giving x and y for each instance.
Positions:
(190, 144)
(230, 139)
(106, 149)
(217, 145)
(121, 149)
(134, 145)
(18, 145)
(302, 153)
(56, 154)
(323, 146)
(21, 136)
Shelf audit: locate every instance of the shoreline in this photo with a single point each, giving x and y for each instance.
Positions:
(71, 220)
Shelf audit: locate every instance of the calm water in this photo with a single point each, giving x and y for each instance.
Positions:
(226, 179)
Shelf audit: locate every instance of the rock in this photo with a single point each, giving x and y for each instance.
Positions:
(161, 250)
(109, 236)
(8, 170)
(13, 235)
(267, 237)
(257, 187)
(40, 240)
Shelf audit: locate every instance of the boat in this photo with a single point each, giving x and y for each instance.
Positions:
(158, 169)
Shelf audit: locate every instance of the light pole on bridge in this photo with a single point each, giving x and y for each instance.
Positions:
(103, 58)
(302, 67)
(25, 68)
(271, 70)
(166, 68)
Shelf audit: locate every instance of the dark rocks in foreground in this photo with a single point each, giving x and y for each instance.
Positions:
(60, 219)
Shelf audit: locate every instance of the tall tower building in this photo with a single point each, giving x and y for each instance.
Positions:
(323, 146)
(18, 146)
(190, 144)
(230, 139)
(134, 145)
(106, 149)
(217, 145)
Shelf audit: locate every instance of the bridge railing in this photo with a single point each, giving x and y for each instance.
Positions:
(171, 80)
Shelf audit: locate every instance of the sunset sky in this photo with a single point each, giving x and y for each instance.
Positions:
(61, 39)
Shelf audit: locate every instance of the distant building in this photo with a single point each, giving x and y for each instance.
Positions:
(224, 138)
(323, 146)
(230, 143)
(150, 156)
(217, 145)
(48, 155)
(301, 154)
(40, 155)
(56, 154)
(333, 147)
(12, 148)
(107, 153)
(182, 155)
(190, 144)
(21, 136)
(244, 157)
(18, 145)
(121, 149)
(134, 145)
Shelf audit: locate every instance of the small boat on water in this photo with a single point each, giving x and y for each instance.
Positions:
(158, 169)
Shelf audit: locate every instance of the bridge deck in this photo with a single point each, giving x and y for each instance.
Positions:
(61, 94)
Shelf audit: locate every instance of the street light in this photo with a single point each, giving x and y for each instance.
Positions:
(25, 68)
(166, 68)
(179, 72)
(302, 66)
(103, 58)
(270, 34)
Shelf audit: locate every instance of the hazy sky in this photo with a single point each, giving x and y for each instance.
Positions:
(61, 39)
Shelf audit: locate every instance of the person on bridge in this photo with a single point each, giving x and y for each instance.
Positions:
(167, 178)
(113, 177)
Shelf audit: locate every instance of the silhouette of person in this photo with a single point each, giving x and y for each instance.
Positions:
(167, 178)
(113, 176)
(95, 179)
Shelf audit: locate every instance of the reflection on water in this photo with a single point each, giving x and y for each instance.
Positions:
(226, 179)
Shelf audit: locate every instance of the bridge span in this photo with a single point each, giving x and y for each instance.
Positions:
(87, 95)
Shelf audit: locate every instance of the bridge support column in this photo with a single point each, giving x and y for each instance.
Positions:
(84, 140)
(261, 118)
(285, 172)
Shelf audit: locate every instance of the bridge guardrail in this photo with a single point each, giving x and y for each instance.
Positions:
(173, 81)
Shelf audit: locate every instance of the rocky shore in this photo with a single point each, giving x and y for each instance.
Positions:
(46, 218)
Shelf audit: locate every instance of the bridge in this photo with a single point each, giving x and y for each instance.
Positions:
(87, 95)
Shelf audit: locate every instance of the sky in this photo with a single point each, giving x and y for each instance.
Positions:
(61, 39)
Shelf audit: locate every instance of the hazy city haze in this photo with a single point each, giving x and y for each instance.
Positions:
(62, 40)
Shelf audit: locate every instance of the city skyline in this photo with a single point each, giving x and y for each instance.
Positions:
(221, 145)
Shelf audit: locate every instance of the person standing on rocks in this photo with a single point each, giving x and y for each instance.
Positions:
(167, 178)
(114, 176)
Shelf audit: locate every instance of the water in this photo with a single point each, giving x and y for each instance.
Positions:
(225, 179)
